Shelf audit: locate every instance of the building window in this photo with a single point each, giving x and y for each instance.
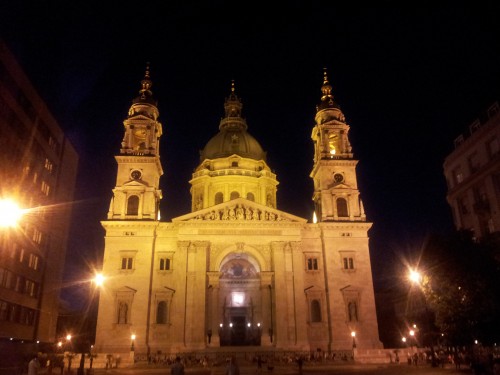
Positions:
(37, 236)
(7, 281)
(348, 263)
(474, 163)
(161, 313)
(458, 176)
(133, 205)
(315, 311)
(462, 206)
(493, 147)
(45, 188)
(312, 264)
(30, 288)
(127, 263)
(251, 197)
(234, 164)
(33, 262)
(48, 165)
(234, 195)
(4, 310)
(122, 313)
(18, 287)
(165, 264)
(219, 198)
(352, 309)
(342, 207)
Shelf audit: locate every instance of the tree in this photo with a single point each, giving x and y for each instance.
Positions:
(461, 287)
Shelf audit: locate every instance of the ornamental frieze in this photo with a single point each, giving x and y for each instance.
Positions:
(240, 212)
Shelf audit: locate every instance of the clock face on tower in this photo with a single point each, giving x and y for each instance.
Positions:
(135, 174)
(337, 177)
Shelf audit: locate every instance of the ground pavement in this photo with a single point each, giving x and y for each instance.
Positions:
(308, 369)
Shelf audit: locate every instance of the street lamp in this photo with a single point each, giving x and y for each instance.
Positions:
(353, 334)
(99, 279)
(70, 352)
(85, 344)
(132, 338)
(415, 277)
(10, 213)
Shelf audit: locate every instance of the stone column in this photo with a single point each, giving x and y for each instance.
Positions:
(266, 283)
(214, 310)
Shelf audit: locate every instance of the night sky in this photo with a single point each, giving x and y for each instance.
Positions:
(409, 79)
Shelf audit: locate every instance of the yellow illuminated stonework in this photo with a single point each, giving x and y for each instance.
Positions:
(236, 270)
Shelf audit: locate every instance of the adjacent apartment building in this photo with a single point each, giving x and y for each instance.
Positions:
(472, 172)
(38, 171)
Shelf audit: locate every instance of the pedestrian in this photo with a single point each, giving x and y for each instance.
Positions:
(300, 362)
(259, 364)
(33, 366)
(232, 367)
(177, 368)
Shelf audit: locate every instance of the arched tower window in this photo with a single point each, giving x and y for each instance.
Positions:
(133, 205)
(315, 311)
(342, 207)
(219, 198)
(161, 313)
(251, 197)
(234, 195)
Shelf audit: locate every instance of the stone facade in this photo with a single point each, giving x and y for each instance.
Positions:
(236, 271)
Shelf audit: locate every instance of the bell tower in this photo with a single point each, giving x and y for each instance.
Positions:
(136, 195)
(336, 196)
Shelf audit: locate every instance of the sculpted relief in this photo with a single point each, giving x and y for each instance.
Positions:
(241, 212)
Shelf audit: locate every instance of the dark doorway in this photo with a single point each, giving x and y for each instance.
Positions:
(238, 334)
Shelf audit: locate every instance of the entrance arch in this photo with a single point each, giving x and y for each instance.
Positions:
(240, 299)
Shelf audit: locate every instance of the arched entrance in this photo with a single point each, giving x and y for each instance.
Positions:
(240, 301)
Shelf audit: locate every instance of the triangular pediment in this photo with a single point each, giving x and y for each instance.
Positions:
(126, 289)
(240, 210)
(341, 186)
(139, 183)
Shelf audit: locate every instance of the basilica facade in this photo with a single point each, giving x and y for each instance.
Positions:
(235, 271)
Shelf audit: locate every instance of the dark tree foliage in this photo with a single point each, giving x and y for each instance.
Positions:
(462, 287)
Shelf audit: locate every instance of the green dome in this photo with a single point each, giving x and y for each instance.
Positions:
(233, 141)
(233, 137)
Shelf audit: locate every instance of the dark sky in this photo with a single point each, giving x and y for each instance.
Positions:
(409, 80)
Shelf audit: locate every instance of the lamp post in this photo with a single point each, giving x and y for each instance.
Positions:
(353, 334)
(70, 352)
(132, 345)
(85, 346)
(10, 213)
(422, 281)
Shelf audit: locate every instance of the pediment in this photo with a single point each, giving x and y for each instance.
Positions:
(139, 183)
(240, 210)
(126, 289)
(342, 185)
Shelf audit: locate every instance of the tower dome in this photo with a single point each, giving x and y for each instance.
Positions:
(232, 164)
(233, 138)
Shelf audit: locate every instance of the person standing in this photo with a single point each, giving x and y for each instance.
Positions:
(177, 368)
(33, 366)
(259, 364)
(232, 367)
(300, 362)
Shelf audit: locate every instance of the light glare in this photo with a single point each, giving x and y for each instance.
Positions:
(10, 213)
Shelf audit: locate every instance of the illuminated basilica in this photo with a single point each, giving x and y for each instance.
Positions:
(235, 271)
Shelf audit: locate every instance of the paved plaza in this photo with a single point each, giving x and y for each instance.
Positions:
(358, 369)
